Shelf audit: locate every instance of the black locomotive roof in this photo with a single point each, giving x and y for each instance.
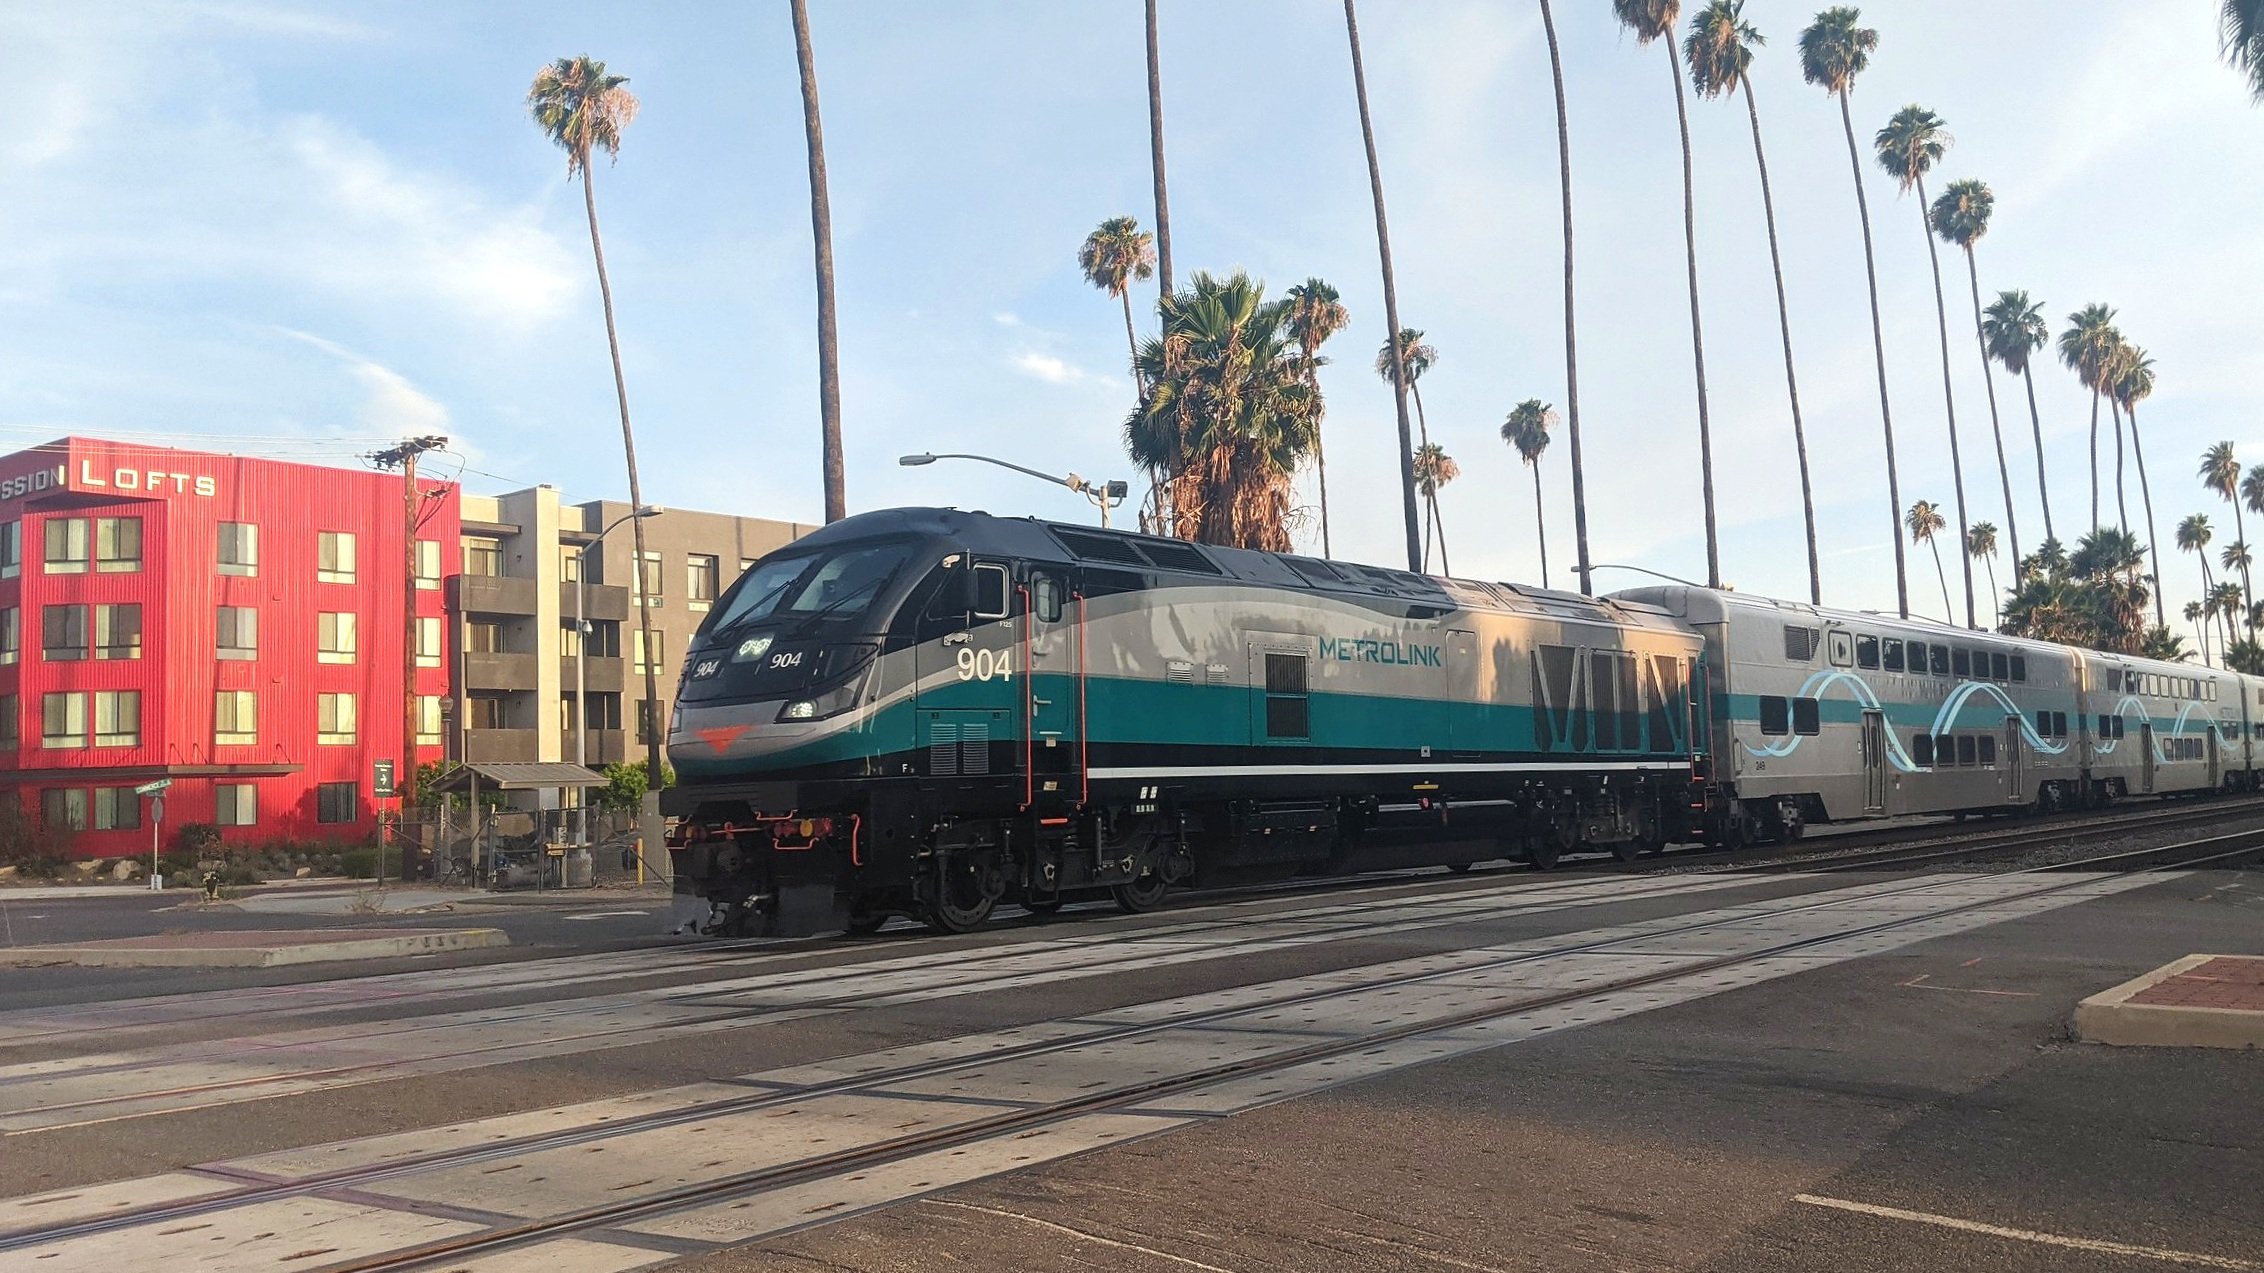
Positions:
(1034, 539)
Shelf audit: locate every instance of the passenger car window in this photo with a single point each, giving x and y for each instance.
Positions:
(2019, 669)
(1776, 715)
(1965, 751)
(1867, 652)
(1806, 719)
(1843, 649)
(1988, 746)
(1891, 654)
(1961, 661)
(1939, 656)
(1922, 748)
(2000, 667)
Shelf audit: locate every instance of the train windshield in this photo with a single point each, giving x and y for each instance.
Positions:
(805, 586)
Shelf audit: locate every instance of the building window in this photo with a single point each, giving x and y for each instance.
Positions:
(116, 809)
(650, 591)
(604, 711)
(239, 548)
(63, 809)
(488, 711)
(234, 804)
(638, 662)
(117, 544)
(334, 719)
(483, 557)
(648, 718)
(117, 718)
(334, 637)
(566, 713)
(118, 631)
(570, 563)
(746, 564)
(11, 722)
(11, 634)
(62, 633)
(334, 556)
(604, 641)
(337, 802)
(67, 546)
(235, 717)
(11, 549)
(700, 580)
(428, 720)
(63, 720)
(428, 563)
(238, 633)
(483, 637)
(428, 641)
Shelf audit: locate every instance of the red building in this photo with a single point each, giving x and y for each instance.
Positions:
(230, 623)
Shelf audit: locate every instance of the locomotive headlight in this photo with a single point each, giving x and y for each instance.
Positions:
(804, 710)
(832, 702)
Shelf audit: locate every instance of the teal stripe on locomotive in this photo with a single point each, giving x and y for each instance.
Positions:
(1122, 711)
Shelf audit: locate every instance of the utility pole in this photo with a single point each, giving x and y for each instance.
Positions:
(412, 509)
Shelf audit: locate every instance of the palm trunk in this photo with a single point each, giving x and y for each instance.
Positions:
(1996, 428)
(1949, 615)
(1131, 338)
(2246, 592)
(821, 230)
(2201, 634)
(1996, 597)
(657, 721)
(2122, 507)
(1879, 354)
(1155, 146)
(1571, 361)
(1540, 523)
(2094, 459)
(1440, 523)
(1430, 498)
(1697, 334)
(2036, 424)
(2146, 495)
(1391, 290)
(1784, 329)
(1949, 403)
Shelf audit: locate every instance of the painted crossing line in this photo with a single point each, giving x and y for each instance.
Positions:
(868, 1100)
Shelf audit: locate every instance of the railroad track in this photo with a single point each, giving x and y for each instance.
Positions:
(2013, 841)
(1766, 921)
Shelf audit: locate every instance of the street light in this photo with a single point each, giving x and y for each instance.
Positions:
(1643, 570)
(581, 655)
(1105, 495)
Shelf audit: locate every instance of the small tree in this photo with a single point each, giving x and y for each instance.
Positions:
(26, 843)
(624, 788)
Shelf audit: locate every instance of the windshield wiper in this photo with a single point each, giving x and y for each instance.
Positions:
(755, 613)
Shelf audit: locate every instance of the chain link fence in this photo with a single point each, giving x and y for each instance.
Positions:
(494, 848)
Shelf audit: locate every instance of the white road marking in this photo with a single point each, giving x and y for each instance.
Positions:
(1080, 1234)
(608, 914)
(2095, 1245)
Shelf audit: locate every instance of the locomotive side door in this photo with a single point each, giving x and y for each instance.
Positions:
(2146, 756)
(2010, 753)
(969, 707)
(1055, 690)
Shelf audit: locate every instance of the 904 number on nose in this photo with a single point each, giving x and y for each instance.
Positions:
(985, 665)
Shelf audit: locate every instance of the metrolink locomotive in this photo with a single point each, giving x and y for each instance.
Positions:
(930, 713)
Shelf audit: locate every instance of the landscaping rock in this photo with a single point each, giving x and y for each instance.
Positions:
(127, 869)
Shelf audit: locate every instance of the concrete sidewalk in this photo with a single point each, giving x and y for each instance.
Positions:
(252, 949)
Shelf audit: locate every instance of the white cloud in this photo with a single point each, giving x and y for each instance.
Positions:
(390, 406)
(1007, 318)
(1055, 371)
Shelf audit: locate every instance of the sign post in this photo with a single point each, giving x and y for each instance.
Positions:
(381, 788)
(156, 793)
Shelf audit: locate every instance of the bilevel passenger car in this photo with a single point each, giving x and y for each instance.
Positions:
(1826, 715)
(929, 712)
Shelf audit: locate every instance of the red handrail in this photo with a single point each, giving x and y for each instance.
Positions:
(1084, 728)
(1029, 711)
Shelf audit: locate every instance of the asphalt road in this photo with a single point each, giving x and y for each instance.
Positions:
(1879, 1103)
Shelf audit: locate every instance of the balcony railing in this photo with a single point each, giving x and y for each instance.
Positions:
(491, 594)
(605, 601)
(606, 675)
(499, 671)
(502, 745)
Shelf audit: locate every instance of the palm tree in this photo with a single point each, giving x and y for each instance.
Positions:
(1411, 359)
(1155, 147)
(1651, 20)
(2242, 37)
(1924, 521)
(1228, 411)
(2012, 330)
(2201, 634)
(1571, 359)
(1981, 541)
(2193, 537)
(1719, 49)
(1961, 216)
(2224, 601)
(583, 109)
(2163, 644)
(1315, 314)
(2084, 348)
(2131, 383)
(1833, 51)
(1434, 468)
(2234, 557)
(2220, 472)
(1908, 147)
(1527, 429)
(1391, 289)
(1115, 256)
(821, 232)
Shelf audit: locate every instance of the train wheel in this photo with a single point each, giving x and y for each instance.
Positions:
(967, 889)
(865, 923)
(1143, 894)
(1626, 850)
(1045, 909)
(1542, 852)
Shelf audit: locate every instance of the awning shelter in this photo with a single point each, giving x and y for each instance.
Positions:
(517, 775)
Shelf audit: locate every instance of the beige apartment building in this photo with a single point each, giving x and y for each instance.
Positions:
(511, 619)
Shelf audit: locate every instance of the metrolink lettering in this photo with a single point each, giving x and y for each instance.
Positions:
(151, 480)
(1367, 650)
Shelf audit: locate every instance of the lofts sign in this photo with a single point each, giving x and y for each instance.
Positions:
(106, 478)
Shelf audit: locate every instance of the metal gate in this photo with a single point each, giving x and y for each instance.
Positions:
(1874, 762)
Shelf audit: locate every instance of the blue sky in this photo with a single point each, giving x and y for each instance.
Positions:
(238, 221)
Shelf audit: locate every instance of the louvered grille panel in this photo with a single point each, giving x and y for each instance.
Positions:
(943, 749)
(974, 749)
